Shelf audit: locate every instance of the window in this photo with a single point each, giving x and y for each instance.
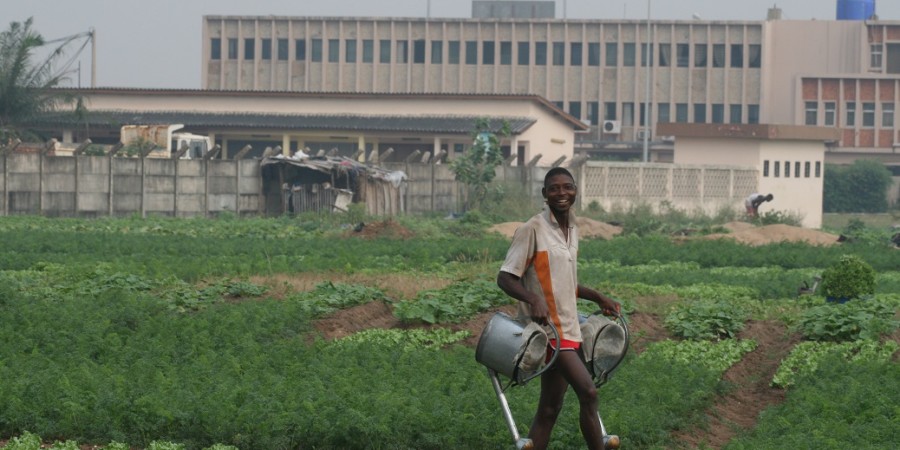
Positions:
(471, 52)
(646, 55)
(830, 108)
(737, 56)
(718, 113)
(796, 169)
(700, 55)
(575, 109)
(282, 49)
(300, 49)
(851, 115)
(453, 52)
(402, 52)
(806, 169)
(812, 111)
(665, 55)
(628, 57)
(506, 53)
(718, 58)
(766, 168)
(487, 52)
(662, 113)
(612, 54)
(232, 48)
(559, 104)
(887, 115)
(735, 113)
(215, 48)
(523, 53)
(754, 56)
(249, 47)
(316, 50)
(334, 50)
(683, 54)
(368, 51)
(777, 171)
(699, 113)
(681, 112)
(610, 108)
(752, 114)
(787, 169)
(540, 53)
(266, 48)
(645, 112)
(818, 169)
(419, 51)
(593, 112)
(875, 52)
(559, 53)
(593, 53)
(437, 52)
(868, 115)
(350, 50)
(576, 50)
(628, 114)
(384, 51)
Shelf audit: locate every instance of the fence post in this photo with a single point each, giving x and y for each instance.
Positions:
(110, 155)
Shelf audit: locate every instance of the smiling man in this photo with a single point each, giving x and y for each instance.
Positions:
(540, 271)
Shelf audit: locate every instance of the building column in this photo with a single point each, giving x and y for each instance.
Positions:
(286, 144)
(361, 145)
(436, 147)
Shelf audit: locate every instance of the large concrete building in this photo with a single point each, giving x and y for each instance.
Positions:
(843, 73)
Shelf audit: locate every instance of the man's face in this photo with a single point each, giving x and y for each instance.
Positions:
(560, 192)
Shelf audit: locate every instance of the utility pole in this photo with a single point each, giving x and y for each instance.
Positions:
(649, 61)
(93, 58)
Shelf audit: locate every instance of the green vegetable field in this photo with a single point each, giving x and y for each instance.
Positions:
(301, 333)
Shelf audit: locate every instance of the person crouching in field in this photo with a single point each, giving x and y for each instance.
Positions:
(540, 272)
(753, 201)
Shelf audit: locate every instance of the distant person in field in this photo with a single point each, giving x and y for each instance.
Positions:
(540, 272)
(753, 201)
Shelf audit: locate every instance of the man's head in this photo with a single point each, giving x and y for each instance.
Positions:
(770, 197)
(559, 190)
(557, 171)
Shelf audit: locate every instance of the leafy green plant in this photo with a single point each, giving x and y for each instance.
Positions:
(706, 319)
(714, 356)
(452, 304)
(328, 297)
(406, 339)
(850, 277)
(862, 319)
(477, 166)
(806, 356)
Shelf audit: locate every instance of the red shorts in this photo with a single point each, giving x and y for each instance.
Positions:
(564, 345)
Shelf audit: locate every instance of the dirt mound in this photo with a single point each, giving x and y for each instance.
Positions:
(587, 228)
(746, 233)
(385, 228)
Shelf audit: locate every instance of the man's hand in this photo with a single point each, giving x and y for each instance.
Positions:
(539, 311)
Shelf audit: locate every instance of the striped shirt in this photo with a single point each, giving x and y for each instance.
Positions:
(547, 266)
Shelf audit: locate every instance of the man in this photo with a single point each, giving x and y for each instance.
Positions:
(540, 272)
(753, 201)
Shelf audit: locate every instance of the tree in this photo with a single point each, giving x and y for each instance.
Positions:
(25, 86)
(477, 167)
(859, 187)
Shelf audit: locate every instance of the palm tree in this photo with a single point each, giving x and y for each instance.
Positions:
(26, 88)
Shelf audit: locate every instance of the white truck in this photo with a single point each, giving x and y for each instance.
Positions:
(166, 141)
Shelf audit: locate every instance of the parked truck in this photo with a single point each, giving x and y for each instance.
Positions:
(165, 140)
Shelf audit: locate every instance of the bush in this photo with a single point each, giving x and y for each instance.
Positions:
(706, 319)
(850, 277)
(860, 187)
(863, 319)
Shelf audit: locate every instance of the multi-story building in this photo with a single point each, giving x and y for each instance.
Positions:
(620, 76)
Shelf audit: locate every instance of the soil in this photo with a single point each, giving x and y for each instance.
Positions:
(749, 234)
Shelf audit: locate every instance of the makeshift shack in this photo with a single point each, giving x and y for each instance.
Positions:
(329, 184)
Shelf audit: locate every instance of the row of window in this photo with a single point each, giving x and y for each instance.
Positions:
(797, 165)
(829, 114)
(684, 112)
(555, 53)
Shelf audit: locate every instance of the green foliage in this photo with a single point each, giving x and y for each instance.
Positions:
(841, 405)
(850, 277)
(453, 304)
(328, 297)
(408, 340)
(782, 217)
(477, 167)
(706, 319)
(806, 357)
(26, 441)
(859, 187)
(858, 319)
(714, 356)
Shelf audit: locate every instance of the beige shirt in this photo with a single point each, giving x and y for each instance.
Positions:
(547, 266)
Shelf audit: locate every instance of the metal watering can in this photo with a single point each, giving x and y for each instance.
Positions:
(503, 342)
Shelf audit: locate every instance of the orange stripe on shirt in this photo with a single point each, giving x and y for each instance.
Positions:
(542, 269)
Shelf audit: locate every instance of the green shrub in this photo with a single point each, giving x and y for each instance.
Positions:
(859, 187)
(453, 304)
(706, 319)
(806, 356)
(859, 319)
(848, 278)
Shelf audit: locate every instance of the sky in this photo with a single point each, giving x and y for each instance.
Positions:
(157, 43)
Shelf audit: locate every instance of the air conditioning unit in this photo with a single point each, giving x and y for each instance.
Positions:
(612, 127)
(642, 133)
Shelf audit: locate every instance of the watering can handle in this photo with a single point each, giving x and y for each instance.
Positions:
(552, 358)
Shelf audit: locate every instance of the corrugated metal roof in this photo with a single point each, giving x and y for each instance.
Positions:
(327, 122)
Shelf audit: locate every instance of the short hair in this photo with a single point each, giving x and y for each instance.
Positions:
(770, 197)
(557, 171)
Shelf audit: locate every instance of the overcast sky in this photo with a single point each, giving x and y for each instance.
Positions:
(156, 43)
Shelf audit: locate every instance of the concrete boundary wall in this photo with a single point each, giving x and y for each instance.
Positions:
(96, 186)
